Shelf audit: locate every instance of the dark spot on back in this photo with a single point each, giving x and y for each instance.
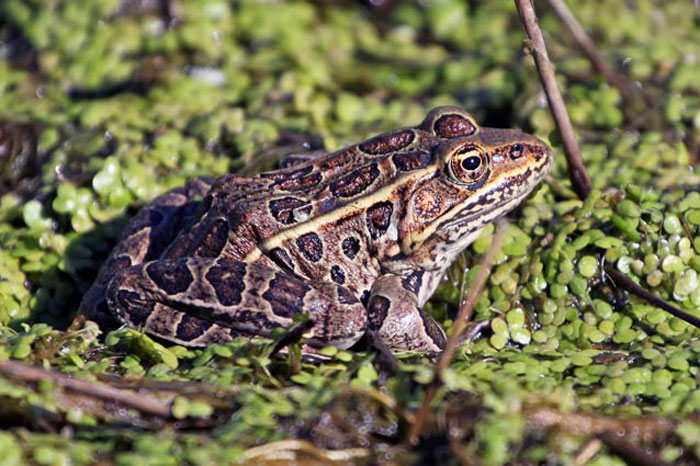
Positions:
(254, 320)
(351, 246)
(337, 275)
(377, 310)
(339, 160)
(453, 125)
(286, 295)
(173, 277)
(213, 240)
(356, 182)
(414, 160)
(311, 246)
(303, 183)
(294, 180)
(280, 257)
(226, 277)
(191, 327)
(379, 218)
(283, 209)
(389, 142)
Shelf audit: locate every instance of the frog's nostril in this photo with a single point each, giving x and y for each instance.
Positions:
(516, 151)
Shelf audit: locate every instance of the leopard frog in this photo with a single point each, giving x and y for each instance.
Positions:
(357, 238)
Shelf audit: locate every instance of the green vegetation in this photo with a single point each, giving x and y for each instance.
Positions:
(106, 104)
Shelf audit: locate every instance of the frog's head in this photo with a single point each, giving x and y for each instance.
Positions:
(479, 175)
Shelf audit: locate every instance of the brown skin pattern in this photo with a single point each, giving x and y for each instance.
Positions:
(358, 239)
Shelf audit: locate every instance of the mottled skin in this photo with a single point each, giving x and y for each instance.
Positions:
(357, 238)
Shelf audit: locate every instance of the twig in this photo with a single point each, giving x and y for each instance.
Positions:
(463, 316)
(631, 453)
(27, 373)
(577, 170)
(591, 52)
(613, 432)
(546, 418)
(626, 283)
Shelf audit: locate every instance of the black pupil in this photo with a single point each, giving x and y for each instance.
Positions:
(471, 163)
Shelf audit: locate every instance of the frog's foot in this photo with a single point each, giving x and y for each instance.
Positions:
(395, 318)
(196, 301)
(144, 238)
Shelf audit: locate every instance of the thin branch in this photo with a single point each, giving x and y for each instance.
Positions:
(632, 454)
(577, 170)
(460, 324)
(540, 417)
(591, 52)
(613, 432)
(626, 283)
(31, 374)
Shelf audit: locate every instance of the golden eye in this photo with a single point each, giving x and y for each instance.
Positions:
(468, 164)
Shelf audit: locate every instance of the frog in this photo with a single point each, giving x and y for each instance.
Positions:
(356, 240)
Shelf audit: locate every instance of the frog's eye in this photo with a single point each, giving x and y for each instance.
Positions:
(468, 165)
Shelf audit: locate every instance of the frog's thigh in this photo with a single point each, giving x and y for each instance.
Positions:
(143, 238)
(395, 318)
(193, 301)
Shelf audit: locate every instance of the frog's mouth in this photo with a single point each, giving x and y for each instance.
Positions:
(476, 221)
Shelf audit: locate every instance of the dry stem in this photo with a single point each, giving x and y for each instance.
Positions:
(463, 316)
(591, 52)
(31, 374)
(577, 170)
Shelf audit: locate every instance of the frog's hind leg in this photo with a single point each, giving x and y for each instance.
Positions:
(196, 301)
(144, 238)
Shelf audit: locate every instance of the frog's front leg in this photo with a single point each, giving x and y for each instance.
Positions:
(197, 301)
(394, 316)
